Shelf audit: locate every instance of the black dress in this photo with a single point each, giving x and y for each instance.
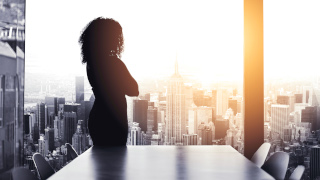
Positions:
(110, 81)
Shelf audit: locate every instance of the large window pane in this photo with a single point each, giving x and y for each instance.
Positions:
(187, 58)
(292, 116)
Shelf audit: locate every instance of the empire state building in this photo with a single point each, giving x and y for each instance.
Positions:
(176, 110)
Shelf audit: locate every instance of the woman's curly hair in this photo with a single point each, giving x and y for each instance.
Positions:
(101, 33)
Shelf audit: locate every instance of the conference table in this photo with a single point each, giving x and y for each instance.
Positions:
(161, 162)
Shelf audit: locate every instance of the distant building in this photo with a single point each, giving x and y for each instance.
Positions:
(140, 108)
(155, 140)
(57, 128)
(49, 139)
(79, 89)
(190, 139)
(79, 139)
(42, 145)
(214, 99)
(51, 103)
(298, 98)
(279, 118)
(222, 101)
(286, 100)
(26, 124)
(135, 134)
(233, 104)
(70, 126)
(307, 95)
(41, 117)
(205, 133)
(309, 114)
(176, 109)
(221, 127)
(197, 116)
(315, 162)
(152, 118)
(287, 134)
(83, 113)
(71, 107)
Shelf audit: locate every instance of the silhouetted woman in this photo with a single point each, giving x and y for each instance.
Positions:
(101, 45)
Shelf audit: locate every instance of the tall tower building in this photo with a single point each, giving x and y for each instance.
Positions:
(79, 138)
(42, 145)
(315, 162)
(140, 108)
(222, 101)
(51, 103)
(79, 89)
(176, 110)
(152, 124)
(57, 128)
(221, 127)
(49, 139)
(309, 114)
(70, 126)
(279, 118)
(135, 134)
(41, 117)
(83, 113)
(233, 104)
(307, 95)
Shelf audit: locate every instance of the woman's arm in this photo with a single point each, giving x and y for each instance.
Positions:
(130, 85)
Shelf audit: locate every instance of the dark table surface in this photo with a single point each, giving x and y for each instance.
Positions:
(161, 162)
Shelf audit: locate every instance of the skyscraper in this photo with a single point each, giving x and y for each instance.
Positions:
(279, 118)
(70, 126)
(140, 108)
(83, 113)
(57, 128)
(41, 117)
(49, 139)
(309, 114)
(205, 133)
(51, 103)
(176, 110)
(221, 127)
(26, 124)
(42, 145)
(298, 98)
(315, 162)
(79, 138)
(222, 101)
(135, 134)
(79, 89)
(233, 104)
(152, 118)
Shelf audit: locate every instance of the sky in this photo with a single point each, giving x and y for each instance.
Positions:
(206, 37)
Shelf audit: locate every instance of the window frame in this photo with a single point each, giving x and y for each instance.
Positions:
(253, 84)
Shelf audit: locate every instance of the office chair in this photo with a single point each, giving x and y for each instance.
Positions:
(22, 173)
(43, 167)
(297, 173)
(259, 157)
(277, 165)
(71, 152)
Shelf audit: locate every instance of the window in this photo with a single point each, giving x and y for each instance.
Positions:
(291, 43)
(188, 63)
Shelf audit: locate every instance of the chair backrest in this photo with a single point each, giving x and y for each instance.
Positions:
(277, 165)
(43, 167)
(22, 173)
(297, 173)
(259, 157)
(71, 152)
